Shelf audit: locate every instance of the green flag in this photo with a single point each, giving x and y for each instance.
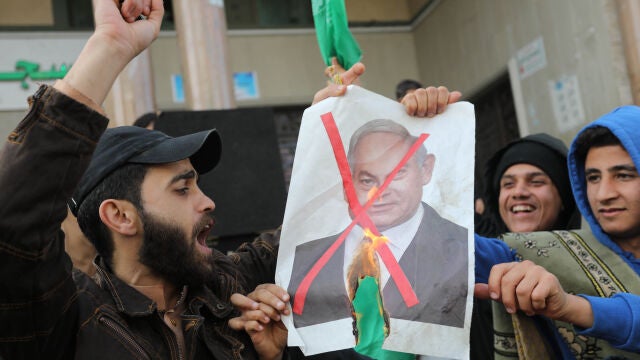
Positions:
(368, 309)
(332, 30)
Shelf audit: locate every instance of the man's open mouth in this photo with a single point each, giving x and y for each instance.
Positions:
(203, 234)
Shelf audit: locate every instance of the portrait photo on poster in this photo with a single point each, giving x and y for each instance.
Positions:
(376, 247)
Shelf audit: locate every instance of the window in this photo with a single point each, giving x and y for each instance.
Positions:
(241, 14)
(268, 14)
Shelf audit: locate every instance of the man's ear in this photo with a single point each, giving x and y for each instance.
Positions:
(427, 168)
(119, 216)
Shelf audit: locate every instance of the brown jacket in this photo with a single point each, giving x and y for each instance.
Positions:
(49, 311)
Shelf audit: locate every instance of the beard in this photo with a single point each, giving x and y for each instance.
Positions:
(172, 255)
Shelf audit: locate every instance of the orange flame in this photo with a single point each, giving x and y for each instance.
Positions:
(376, 240)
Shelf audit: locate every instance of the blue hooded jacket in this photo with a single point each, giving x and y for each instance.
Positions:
(616, 319)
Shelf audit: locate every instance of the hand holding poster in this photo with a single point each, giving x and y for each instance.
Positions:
(376, 250)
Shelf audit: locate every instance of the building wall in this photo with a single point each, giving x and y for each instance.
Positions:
(466, 43)
(377, 10)
(288, 64)
(463, 44)
(415, 6)
(26, 12)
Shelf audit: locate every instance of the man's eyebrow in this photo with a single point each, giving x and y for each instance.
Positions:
(537, 173)
(362, 173)
(528, 175)
(590, 171)
(626, 167)
(191, 174)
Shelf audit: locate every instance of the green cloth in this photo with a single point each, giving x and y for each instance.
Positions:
(368, 308)
(332, 31)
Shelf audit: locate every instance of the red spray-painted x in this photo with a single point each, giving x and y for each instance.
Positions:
(359, 217)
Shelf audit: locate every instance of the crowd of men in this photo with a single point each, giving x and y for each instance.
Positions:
(159, 292)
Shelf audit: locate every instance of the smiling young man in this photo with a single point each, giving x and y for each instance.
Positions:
(528, 199)
(527, 189)
(602, 266)
(158, 292)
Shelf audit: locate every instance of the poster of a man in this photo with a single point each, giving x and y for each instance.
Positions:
(395, 260)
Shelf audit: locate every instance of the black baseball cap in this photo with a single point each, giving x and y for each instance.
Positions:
(130, 144)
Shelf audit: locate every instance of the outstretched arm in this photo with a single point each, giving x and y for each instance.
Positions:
(616, 320)
(530, 288)
(42, 161)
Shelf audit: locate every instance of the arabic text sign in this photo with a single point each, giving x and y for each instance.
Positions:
(34, 61)
(25, 70)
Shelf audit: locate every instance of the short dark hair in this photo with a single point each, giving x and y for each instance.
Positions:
(597, 136)
(406, 85)
(124, 184)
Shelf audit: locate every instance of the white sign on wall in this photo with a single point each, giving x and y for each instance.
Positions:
(531, 58)
(566, 103)
(31, 59)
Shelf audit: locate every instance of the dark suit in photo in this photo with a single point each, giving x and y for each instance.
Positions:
(435, 264)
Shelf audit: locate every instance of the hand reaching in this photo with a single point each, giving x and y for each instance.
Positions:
(261, 318)
(334, 71)
(530, 288)
(340, 80)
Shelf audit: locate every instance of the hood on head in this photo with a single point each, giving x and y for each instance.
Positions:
(624, 123)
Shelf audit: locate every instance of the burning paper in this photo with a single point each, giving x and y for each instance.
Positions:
(376, 248)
